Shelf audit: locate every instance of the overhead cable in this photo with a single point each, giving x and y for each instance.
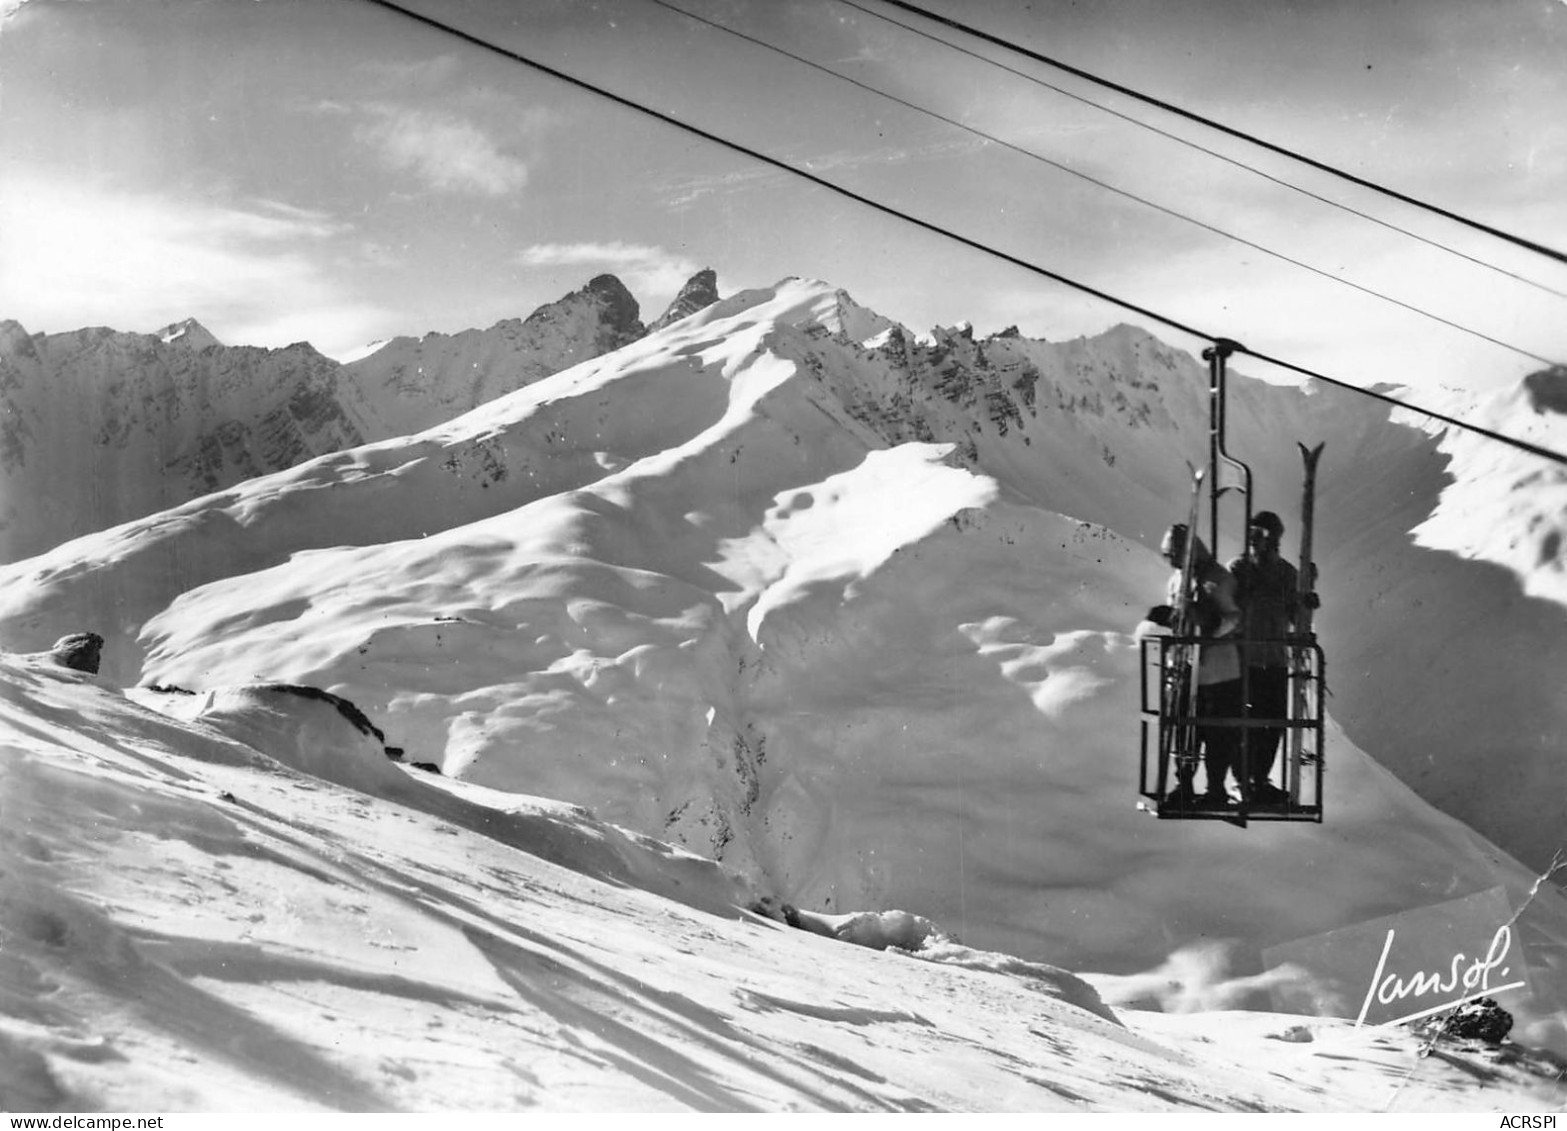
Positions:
(1329, 275)
(1172, 108)
(1444, 418)
(926, 225)
(1198, 147)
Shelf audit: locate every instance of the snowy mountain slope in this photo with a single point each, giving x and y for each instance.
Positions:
(1455, 618)
(1507, 506)
(110, 426)
(690, 586)
(1425, 636)
(1099, 429)
(1440, 661)
(256, 911)
(97, 426)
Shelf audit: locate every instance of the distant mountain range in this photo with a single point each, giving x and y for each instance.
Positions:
(108, 426)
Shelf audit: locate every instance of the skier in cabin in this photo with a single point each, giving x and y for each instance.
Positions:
(1215, 616)
(1268, 591)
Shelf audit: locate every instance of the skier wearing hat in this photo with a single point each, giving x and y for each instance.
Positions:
(1217, 617)
(1267, 588)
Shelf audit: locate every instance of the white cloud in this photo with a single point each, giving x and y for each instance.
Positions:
(72, 255)
(683, 191)
(645, 269)
(686, 191)
(448, 153)
(273, 220)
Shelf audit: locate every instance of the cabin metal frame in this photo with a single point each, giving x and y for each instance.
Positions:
(1170, 731)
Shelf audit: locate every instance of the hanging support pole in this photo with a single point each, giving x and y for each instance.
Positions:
(1218, 378)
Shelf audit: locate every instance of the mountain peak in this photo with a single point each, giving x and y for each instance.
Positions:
(611, 291)
(14, 337)
(607, 285)
(188, 333)
(699, 292)
(613, 306)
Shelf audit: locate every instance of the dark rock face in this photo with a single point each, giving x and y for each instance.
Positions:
(80, 651)
(699, 293)
(1481, 1020)
(1478, 1020)
(1548, 389)
(111, 426)
(622, 324)
(361, 722)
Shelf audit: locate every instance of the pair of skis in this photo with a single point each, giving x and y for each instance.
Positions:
(1300, 655)
(1180, 684)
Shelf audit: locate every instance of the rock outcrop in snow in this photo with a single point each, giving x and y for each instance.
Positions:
(1547, 390)
(79, 651)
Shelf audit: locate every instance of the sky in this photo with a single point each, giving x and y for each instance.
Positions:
(341, 173)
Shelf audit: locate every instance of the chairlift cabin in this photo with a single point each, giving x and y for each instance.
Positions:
(1172, 731)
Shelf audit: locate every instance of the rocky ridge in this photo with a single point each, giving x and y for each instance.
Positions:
(111, 425)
